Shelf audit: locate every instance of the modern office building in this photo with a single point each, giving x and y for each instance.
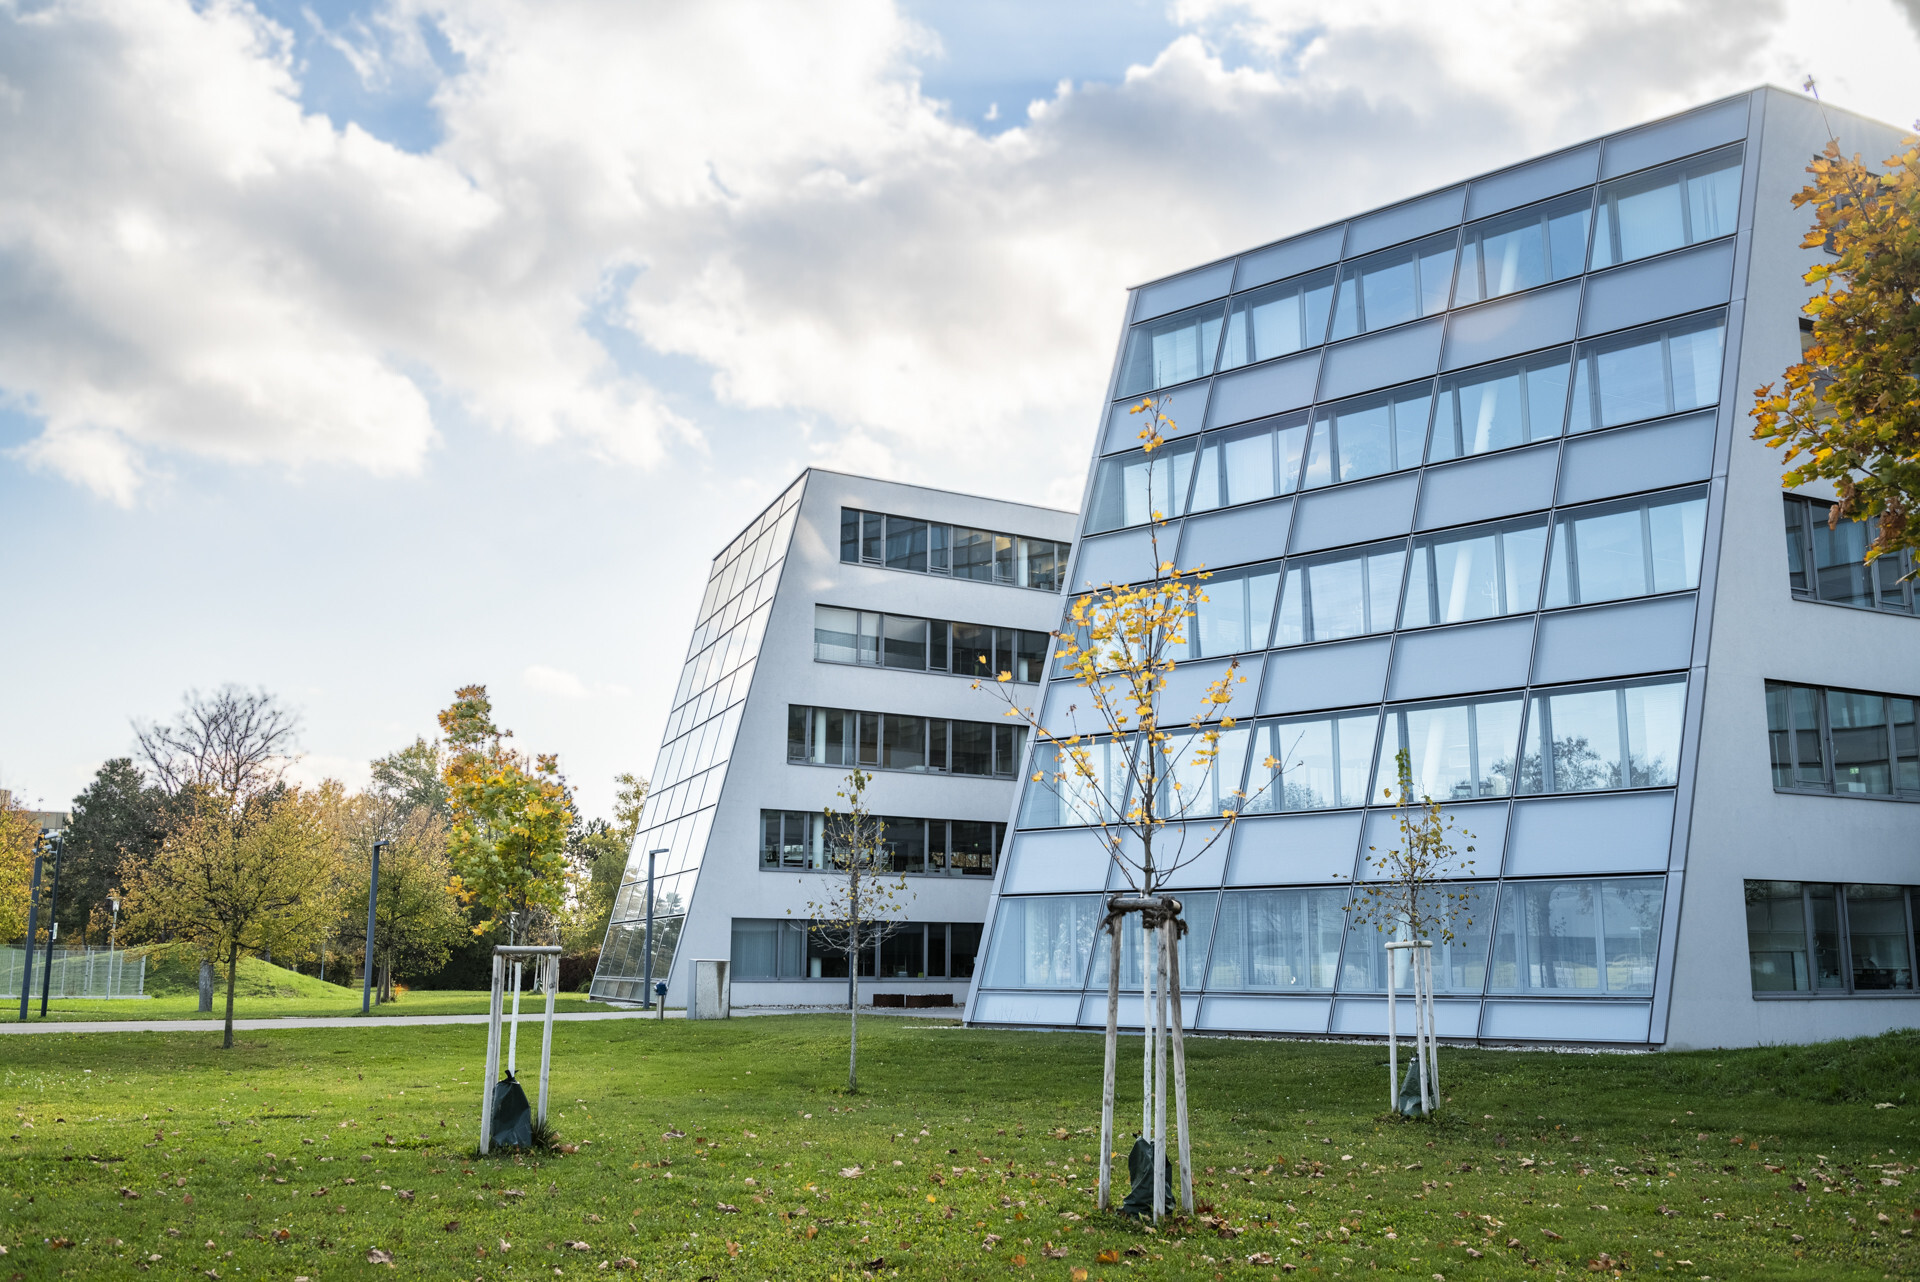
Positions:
(842, 629)
(1474, 477)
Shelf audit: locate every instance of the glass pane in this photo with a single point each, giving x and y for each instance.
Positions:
(1777, 937)
(849, 534)
(972, 848)
(1237, 467)
(1677, 205)
(1459, 964)
(1654, 714)
(905, 643)
(1839, 559)
(1351, 594)
(1630, 921)
(1829, 973)
(1906, 761)
(1235, 612)
(1675, 532)
(972, 650)
(1796, 514)
(972, 554)
(1042, 942)
(1170, 350)
(1548, 939)
(1276, 320)
(1889, 570)
(1779, 736)
(972, 748)
(1368, 436)
(1808, 749)
(1526, 248)
(1277, 940)
(1500, 406)
(869, 732)
(906, 544)
(1581, 734)
(1199, 779)
(1713, 198)
(905, 844)
(1003, 571)
(1877, 938)
(1046, 562)
(1394, 286)
(1457, 752)
(1133, 488)
(939, 539)
(1030, 656)
(1315, 765)
(1858, 723)
(1081, 784)
(963, 944)
(1617, 551)
(836, 634)
(1475, 574)
(1693, 355)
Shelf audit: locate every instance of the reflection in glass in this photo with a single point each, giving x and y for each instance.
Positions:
(1278, 940)
(1777, 937)
(1236, 612)
(1459, 964)
(1131, 489)
(1500, 406)
(1276, 320)
(1618, 550)
(1906, 751)
(1612, 737)
(1480, 573)
(906, 544)
(1368, 436)
(1170, 350)
(1646, 373)
(1456, 751)
(1345, 594)
(1042, 942)
(1245, 464)
(1318, 764)
(1839, 555)
(1877, 938)
(1199, 780)
(1858, 724)
(1522, 249)
(1677, 205)
(1823, 911)
(1570, 938)
(1190, 948)
(1393, 286)
(1086, 783)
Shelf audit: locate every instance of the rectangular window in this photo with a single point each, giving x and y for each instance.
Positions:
(973, 847)
(1612, 551)
(1342, 594)
(1246, 464)
(1277, 320)
(1849, 742)
(1281, 941)
(1029, 655)
(972, 751)
(906, 543)
(1317, 764)
(1459, 963)
(903, 951)
(1201, 778)
(1368, 436)
(1042, 942)
(849, 535)
(1826, 560)
(1042, 563)
(905, 644)
(1602, 738)
(1171, 349)
(938, 537)
(1190, 948)
(1578, 938)
(1646, 373)
(1080, 784)
(1777, 937)
(836, 635)
(1478, 573)
(1523, 249)
(791, 839)
(1135, 488)
(1393, 287)
(905, 740)
(905, 843)
(1823, 938)
(963, 947)
(1235, 613)
(926, 645)
(873, 540)
(1500, 406)
(1861, 746)
(1682, 204)
(1455, 751)
(972, 554)
(937, 631)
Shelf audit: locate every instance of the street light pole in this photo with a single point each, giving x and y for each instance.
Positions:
(648, 986)
(113, 982)
(53, 922)
(33, 924)
(373, 898)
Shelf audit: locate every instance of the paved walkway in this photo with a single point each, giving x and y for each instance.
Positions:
(423, 1021)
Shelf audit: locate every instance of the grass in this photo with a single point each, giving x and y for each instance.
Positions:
(728, 1150)
(265, 991)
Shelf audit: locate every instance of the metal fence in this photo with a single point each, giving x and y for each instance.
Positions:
(77, 972)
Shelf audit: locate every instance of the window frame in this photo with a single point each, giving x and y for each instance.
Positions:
(1829, 786)
(1844, 931)
(1006, 743)
(1811, 509)
(1011, 557)
(938, 643)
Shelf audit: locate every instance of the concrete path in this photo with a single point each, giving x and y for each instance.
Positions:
(422, 1021)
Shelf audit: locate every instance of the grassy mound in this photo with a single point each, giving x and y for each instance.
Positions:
(170, 976)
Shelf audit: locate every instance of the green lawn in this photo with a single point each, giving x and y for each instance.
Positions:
(266, 991)
(728, 1151)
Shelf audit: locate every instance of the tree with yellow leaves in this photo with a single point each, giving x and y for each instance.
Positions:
(1849, 411)
(19, 839)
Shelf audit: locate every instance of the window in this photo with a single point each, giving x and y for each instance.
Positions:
(1456, 751)
(1826, 560)
(1479, 573)
(1815, 938)
(1200, 780)
(1846, 742)
(1318, 764)
(1499, 406)
(768, 949)
(780, 949)
(1459, 964)
(1604, 737)
(1171, 349)
(1276, 320)
(1278, 940)
(1393, 287)
(1236, 613)
(1245, 464)
(926, 645)
(1084, 783)
(894, 741)
(1368, 436)
(1341, 594)
(1646, 373)
(1639, 547)
(1578, 938)
(903, 543)
(1676, 205)
(1190, 947)
(1042, 942)
(1525, 248)
(1132, 489)
(791, 839)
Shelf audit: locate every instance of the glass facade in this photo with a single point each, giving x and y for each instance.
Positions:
(924, 547)
(773, 949)
(799, 839)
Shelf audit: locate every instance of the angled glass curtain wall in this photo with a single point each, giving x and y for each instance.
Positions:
(697, 742)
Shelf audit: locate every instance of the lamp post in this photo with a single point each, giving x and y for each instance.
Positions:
(53, 922)
(33, 924)
(373, 898)
(648, 986)
(112, 931)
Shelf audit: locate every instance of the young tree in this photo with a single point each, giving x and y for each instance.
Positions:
(511, 815)
(117, 817)
(239, 876)
(1414, 897)
(234, 742)
(1850, 409)
(19, 839)
(417, 918)
(1139, 773)
(862, 897)
(411, 779)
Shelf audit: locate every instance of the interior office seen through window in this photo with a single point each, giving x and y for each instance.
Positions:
(929, 547)
(1826, 560)
(913, 644)
(1846, 742)
(799, 839)
(1824, 939)
(899, 741)
(778, 948)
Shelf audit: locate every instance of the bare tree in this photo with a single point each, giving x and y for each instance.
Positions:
(234, 741)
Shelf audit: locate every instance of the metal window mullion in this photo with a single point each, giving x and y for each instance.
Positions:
(1626, 748)
(1813, 943)
(1543, 706)
(1825, 723)
(1842, 927)
(1646, 548)
(1473, 751)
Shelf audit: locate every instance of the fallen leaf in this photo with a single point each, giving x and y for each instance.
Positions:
(992, 1240)
(850, 1172)
(1077, 1273)
(1019, 1261)
(1107, 1257)
(727, 1208)
(1260, 1257)
(578, 1246)
(1550, 1235)
(376, 1256)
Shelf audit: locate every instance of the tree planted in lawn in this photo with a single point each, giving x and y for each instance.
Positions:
(417, 917)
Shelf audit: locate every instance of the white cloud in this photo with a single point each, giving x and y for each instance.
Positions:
(557, 682)
(190, 263)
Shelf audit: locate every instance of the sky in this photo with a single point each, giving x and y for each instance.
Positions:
(362, 349)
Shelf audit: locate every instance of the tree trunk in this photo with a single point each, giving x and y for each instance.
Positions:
(853, 1011)
(1106, 1084)
(206, 985)
(233, 969)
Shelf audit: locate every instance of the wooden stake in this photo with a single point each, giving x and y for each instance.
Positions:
(1160, 1079)
(1179, 1068)
(551, 967)
(493, 1061)
(1107, 1083)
